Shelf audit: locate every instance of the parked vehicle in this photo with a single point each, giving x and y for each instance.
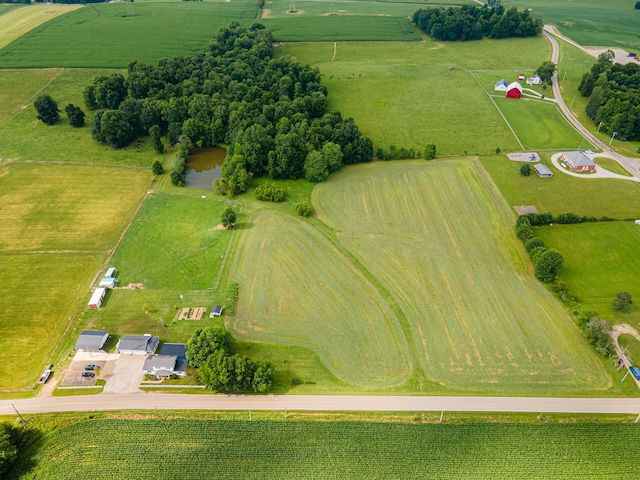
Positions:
(90, 367)
(88, 374)
(45, 376)
(635, 371)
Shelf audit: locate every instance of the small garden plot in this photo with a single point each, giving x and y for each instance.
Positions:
(190, 313)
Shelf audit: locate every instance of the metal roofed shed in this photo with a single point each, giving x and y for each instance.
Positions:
(108, 282)
(138, 344)
(542, 170)
(97, 298)
(216, 311)
(91, 340)
(111, 273)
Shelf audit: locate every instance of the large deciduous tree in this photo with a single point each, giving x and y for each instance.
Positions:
(47, 109)
(75, 115)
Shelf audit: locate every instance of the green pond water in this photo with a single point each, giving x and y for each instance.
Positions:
(203, 167)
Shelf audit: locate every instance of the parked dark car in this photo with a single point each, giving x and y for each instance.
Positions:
(90, 367)
(88, 374)
(635, 371)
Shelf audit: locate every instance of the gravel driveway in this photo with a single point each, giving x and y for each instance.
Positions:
(124, 374)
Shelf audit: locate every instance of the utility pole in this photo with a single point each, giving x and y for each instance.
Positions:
(571, 106)
(599, 127)
(612, 137)
(13, 404)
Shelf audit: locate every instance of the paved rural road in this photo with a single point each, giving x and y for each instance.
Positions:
(151, 401)
(632, 165)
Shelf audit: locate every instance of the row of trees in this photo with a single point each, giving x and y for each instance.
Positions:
(209, 350)
(48, 112)
(271, 112)
(614, 92)
(547, 262)
(473, 23)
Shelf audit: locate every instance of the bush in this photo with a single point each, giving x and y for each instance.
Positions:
(430, 151)
(637, 7)
(524, 231)
(304, 209)
(228, 217)
(525, 170)
(75, 115)
(584, 316)
(176, 179)
(598, 332)
(622, 302)
(532, 243)
(157, 168)
(498, 150)
(270, 192)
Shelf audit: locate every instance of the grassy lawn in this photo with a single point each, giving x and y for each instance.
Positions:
(102, 35)
(564, 193)
(23, 136)
(329, 450)
(409, 96)
(16, 22)
(37, 294)
(421, 318)
(611, 165)
(600, 260)
(540, 125)
(631, 347)
(67, 207)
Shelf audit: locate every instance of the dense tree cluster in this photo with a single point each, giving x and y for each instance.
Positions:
(546, 71)
(208, 350)
(598, 332)
(272, 112)
(614, 92)
(8, 446)
(270, 192)
(547, 262)
(473, 23)
(622, 302)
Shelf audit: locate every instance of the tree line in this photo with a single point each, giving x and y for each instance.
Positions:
(271, 112)
(470, 22)
(614, 92)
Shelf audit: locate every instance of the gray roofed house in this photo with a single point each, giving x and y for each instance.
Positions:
(91, 340)
(163, 366)
(177, 349)
(542, 170)
(138, 344)
(501, 86)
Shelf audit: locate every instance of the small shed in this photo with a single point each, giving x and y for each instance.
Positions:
(543, 171)
(97, 298)
(514, 90)
(111, 273)
(91, 340)
(216, 311)
(501, 86)
(521, 78)
(108, 282)
(638, 222)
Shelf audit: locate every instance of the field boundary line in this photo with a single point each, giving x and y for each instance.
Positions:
(499, 111)
(30, 99)
(87, 164)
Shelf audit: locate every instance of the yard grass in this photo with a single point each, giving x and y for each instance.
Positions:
(631, 347)
(24, 137)
(600, 260)
(37, 294)
(15, 22)
(395, 244)
(102, 35)
(611, 165)
(419, 93)
(324, 450)
(563, 193)
(67, 207)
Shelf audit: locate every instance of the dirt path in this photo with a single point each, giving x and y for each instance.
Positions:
(335, 49)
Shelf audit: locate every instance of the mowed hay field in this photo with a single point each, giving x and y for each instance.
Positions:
(600, 260)
(15, 22)
(427, 246)
(411, 94)
(103, 35)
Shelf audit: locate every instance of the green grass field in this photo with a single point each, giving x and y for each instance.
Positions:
(631, 347)
(24, 137)
(102, 35)
(563, 193)
(16, 22)
(330, 450)
(431, 246)
(613, 23)
(601, 260)
(611, 165)
(408, 97)
(319, 8)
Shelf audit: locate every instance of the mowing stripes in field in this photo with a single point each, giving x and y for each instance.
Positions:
(296, 287)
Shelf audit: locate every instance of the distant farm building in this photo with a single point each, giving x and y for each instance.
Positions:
(501, 86)
(108, 282)
(91, 340)
(97, 298)
(577, 162)
(514, 90)
(543, 171)
(216, 311)
(138, 344)
(521, 78)
(535, 80)
(111, 273)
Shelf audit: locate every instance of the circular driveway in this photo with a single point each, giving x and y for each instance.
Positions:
(599, 173)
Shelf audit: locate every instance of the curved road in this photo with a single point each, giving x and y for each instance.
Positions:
(632, 165)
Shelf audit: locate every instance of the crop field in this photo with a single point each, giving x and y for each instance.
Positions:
(563, 193)
(600, 260)
(197, 449)
(613, 23)
(409, 96)
(15, 22)
(24, 137)
(102, 35)
(540, 125)
(431, 246)
(67, 207)
(37, 293)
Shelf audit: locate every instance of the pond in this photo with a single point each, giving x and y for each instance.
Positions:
(203, 167)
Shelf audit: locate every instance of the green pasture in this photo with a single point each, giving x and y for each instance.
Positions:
(103, 35)
(319, 8)
(631, 347)
(342, 28)
(67, 207)
(409, 97)
(37, 293)
(15, 22)
(540, 125)
(600, 260)
(23, 136)
(611, 165)
(430, 249)
(613, 23)
(329, 450)
(563, 193)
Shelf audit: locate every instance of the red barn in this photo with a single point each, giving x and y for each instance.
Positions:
(514, 90)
